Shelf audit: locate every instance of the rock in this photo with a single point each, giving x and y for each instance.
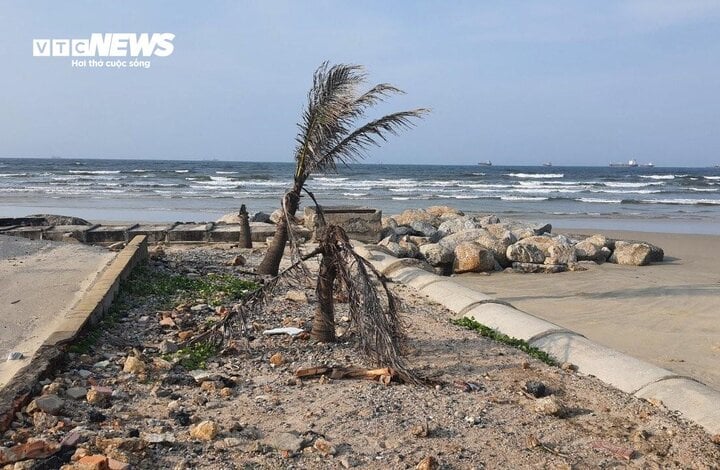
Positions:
(420, 241)
(286, 441)
(51, 404)
(204, 431)
(324, 447)
(167, 347)
(523, 253)
(92, 462)
(238, 260)
(458, 224)
(43, 421)
(569, 366)
(561, 254)
(538, 268)
(134, 365)
(118, 465)
(428, 463)
(276, 359)
(588, 251)
(547, 228)
(76, 393)
(159, 438)
(451, 241)
(550, 406)
(497, 245)
(443, 211)
(32, 449)
(408, 249)
(535, 388)
(542, 242)
(99, 396)
(199, 307)
(633, 254)
(425, 229)
(416, 215)
(436, 254)
(261, 217)
(116, 246)
(472, 257)
(53, 219)
(296, 296)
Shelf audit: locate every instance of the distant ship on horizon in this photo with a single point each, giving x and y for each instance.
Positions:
(632, 163)
(485, 163)
(547, 164)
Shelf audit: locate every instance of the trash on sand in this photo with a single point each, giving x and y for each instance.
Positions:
(15, 356)
(383, 375)
(288, 330)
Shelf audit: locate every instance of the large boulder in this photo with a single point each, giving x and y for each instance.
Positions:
(472, 257)
(436, 254)
(561, 254)
(52, 219)
(443, 211)
(451, 241)
(260, 217)
(416, 215)
(524, 253)
(520, 231)
(635, 253)
(400, 247)
(425, 229)
(458, 224)
(497, 245)
(538, 268)
(593, 249)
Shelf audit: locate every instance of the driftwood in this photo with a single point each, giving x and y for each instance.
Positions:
(383, 375)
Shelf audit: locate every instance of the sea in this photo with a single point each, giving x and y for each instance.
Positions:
(659, 199)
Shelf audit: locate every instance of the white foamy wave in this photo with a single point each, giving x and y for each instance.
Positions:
(536, 175)
(704, 190)
(135, 171)
(658, 177)
(94, 172)
(523, 198)
(225, 172)
(478, 174)
(398, 198)
(10, 175)
(181, 171)
(611, 184)
(599, 200)
(691, 202)
(330, 179)
(712, 177)
(355, 194)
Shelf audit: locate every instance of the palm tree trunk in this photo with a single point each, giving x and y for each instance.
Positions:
(323, 326)
(271, 262)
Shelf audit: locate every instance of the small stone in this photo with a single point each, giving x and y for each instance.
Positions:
(208, 386)
(535, 388)
(159, 438)
(296, 296)
(117, 465)
(226, 392)
(324, 447)
(76, 393)
(51, 404)
(44, 421)
(285, 441)
(569, 366)
(92, 462)
(71, 439)
(716, 439)
(204, 431)
(550, 406)
(84, 373)
(276, 359)
(95, 416)
(199, 307)
(15, 356)
(134, 365)
(99, 396)
(168, 347)
(428, 463)
(101, 364)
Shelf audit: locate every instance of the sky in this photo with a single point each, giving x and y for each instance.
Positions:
(514, 82)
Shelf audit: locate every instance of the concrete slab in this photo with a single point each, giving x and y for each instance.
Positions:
(225, 233)
(108, 233)
(33, 233)
(189, 232)
(414, 277)
(40, 281)
(360, 223)
(620, 370)
(511, 321)
(58, 232)
(697, 401)
(259, 231)
(454, 297)
(155, 233)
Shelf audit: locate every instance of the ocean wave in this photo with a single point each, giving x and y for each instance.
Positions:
(94, 172)
(398, 198)
(705, 190)
(683, 202)
(536, 175)
(328, 178)
(595, 200)
(10, 175)
(226, 172)
(355, 194)
(617, 184)
(524, 198)
(182, 171)
(712, 177)
(659, 177)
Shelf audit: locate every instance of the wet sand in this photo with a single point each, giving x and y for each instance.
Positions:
(667, 313)
(39, 282)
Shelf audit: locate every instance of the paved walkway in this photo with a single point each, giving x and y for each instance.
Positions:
(39, 282)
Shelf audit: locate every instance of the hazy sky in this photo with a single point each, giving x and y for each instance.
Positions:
(510, 81)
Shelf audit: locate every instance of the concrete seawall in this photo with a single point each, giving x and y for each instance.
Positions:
(693, 399)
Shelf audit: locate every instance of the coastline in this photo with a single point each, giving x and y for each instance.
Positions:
(665, 313)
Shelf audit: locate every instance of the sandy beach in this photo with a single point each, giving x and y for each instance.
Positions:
(667, 313)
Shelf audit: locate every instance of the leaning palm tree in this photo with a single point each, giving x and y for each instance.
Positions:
(328, 135)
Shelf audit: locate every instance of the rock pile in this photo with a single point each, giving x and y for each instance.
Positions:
(452, 242)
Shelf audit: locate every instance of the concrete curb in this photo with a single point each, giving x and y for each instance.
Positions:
(87, 311)
(694, 400)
